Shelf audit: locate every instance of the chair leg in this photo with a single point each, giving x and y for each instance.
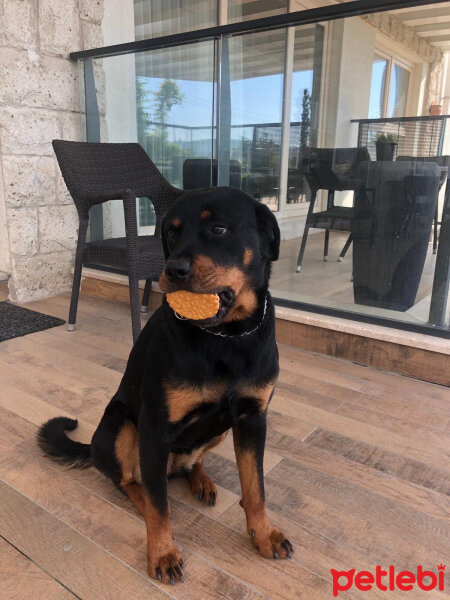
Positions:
(133, 283)
(345, 248)
(325, 246)
(302, 249)
(146, 295)
(435, 228)
(82, 230)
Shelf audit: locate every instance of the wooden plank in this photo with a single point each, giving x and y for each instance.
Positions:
(42, 385)
(14, 429)
(21, 578)
(92, 340)
(299, 368)
(330, 539)
(433, 437)
(75, 366)
(411, 448)
(118, 292)
(288, 426)
(385, 379)
(386, 462)
(35, 369)
(36, 411)
(406, 360)
(120, 532)
(316, 552)
(81, 350)
(394, 517)
(69, 557)
(375, 481)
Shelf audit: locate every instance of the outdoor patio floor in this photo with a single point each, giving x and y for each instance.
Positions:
(357, 475)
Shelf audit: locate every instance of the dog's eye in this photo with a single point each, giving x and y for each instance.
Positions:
(218, 230)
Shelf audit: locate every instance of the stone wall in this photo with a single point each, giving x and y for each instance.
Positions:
(39, 101)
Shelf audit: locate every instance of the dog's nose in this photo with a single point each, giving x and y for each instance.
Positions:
(178, 269)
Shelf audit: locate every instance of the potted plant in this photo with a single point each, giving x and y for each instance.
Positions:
(385, 144)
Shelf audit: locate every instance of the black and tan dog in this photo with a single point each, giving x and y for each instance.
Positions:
(188, 382)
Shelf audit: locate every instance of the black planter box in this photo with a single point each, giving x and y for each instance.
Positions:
(391, 230)
(385, 151)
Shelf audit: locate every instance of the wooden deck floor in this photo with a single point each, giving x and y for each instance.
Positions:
(357, 474)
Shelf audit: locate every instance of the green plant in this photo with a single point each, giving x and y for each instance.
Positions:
(386, 138)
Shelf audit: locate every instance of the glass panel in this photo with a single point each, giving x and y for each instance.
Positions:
(155, 18)
(240, 10)
(377, 87)
(348, 184)
(164, 100)
(398, 91)
(305, 105)
(256, 63)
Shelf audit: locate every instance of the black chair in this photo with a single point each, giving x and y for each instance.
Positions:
(202, 173)
(444, 163)
(95, 173)
(331, 169)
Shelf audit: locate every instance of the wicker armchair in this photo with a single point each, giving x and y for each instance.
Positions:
(331, 169)
(95, 173)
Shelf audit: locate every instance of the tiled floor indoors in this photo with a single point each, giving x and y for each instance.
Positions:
(357, 475)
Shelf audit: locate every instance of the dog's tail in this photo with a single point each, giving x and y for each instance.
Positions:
(53, 440)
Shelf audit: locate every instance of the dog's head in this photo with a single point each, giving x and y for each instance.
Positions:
(220, 241)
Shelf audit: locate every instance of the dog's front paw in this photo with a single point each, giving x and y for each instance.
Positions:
(167, 567)
(272, 544)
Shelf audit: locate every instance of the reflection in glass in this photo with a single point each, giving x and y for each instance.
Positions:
(378, 87)
(305, 105)
(171, 84)
(256, 91)
(240, 10)
(398, 91)
(154, 19)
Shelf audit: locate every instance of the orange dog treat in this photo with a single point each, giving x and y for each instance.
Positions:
(194, 306)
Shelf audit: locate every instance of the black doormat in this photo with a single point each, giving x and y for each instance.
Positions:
(16, 321)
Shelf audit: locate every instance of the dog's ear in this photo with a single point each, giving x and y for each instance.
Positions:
(269, 231)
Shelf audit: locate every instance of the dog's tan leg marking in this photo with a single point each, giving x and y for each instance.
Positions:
(164, 558)
(266, 538)
(262, 394)
(202, 486)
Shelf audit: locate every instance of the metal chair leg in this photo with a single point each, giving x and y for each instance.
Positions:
(302, 249)
(133, 283)
(435, 228)
(146, 295)
(325, 246)
(82, 230)
(345, 248)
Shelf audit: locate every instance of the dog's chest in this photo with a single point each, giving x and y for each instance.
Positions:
(209, 414)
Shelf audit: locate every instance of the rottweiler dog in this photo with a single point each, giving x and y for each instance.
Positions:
(188, 382)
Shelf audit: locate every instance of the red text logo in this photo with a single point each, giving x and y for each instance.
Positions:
(388, 580)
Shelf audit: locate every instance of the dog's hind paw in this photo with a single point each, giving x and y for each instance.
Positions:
(202, 486)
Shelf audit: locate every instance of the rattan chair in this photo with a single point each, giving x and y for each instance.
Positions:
(95, 173)
(331, 169)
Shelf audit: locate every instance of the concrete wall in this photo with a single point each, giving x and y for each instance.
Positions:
(39, 101)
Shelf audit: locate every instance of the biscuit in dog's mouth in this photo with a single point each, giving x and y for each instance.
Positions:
(201, 307)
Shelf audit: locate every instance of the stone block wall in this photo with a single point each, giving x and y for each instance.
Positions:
(39, 101)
